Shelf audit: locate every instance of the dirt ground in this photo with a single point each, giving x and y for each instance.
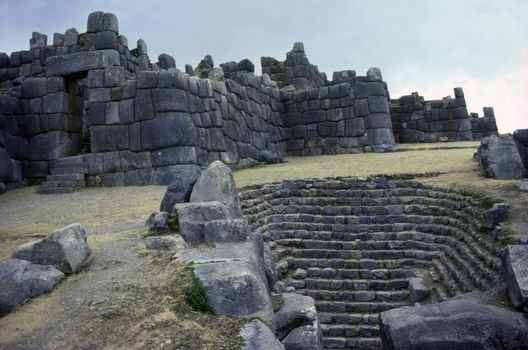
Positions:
(131, 298)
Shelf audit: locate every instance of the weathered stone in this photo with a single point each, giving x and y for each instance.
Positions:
(226, 230)
(80, 62)
(374, 74)
(66, 249)
(170, 100)
(216, 183)
(499, 158)
(258, 336)
(522, 186)
(460, 323)
(166, 242)
(21, 280)
(168, 130)
(233, 278)
(495, 215)
(166, 61)
(38, 40)
(168, 174)
(34, 87)
(158, 222)
(174, 155)
(192, 218)
(245, 66)
(71, 37)
(515, 266)
(303, 338)
(418, 289)
(106, 40)
(297, 311)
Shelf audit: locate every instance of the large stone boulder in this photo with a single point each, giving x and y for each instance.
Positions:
(258, 336)
(216, 183)
(515, 266)
(226, 230)
(296, 323)
(66, 249)
(21, 280)
(499, 158)
(193, 217)
(179, 191)
(458, 324)
(233, 278)
(495, 215)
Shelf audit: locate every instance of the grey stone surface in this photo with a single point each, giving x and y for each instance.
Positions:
(499, 158)
(165, 242)
(495, 215)
(81, 61)
(226, 230)
(166, 61)
(168, 130)
(515, 265)
(457, 324)
(303, 338)
(233, 278)
(418, 289)
(158, 221)
(216, 183)
(296, 311)
(21, 280)
(193, 217)
(258, 336)
(179, 191)
(522, 186)
(66, 249)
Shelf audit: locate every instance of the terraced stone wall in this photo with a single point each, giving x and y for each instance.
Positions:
(353, 245)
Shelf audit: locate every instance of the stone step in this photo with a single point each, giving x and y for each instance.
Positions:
(358, 245)
(444, 218)
(69, 170)
(305, 263)
(355, 284)
(52, 184)
(69, 160)
(55, 190)
(356, 295)
(348, 318)
(335, 343)
(387, 254)
(352, 307)
(338, 205)
(364, 331)
(329, 272)
(450, 285)
(65, 177)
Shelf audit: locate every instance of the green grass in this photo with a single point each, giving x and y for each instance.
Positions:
(197, 296)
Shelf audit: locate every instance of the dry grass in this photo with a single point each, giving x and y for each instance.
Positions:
(363, 164)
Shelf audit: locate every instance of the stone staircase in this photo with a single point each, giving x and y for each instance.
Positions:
(66, 176)
(353, 244)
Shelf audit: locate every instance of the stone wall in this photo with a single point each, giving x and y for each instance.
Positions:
(416, 120)
(339, 118)
(296, 70)
(12, 146)
(485, 126)
(166, 121)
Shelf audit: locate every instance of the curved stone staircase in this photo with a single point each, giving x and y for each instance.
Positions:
(352, 244)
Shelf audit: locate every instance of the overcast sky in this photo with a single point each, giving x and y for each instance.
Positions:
(425, 46)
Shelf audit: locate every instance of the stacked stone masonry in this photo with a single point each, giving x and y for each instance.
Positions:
(127, 121)
(417, 120)
(353, 244)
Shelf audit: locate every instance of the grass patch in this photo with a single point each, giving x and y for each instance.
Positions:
(196, 295)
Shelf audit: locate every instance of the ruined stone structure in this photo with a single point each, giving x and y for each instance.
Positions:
(88, 110)
(363, 246)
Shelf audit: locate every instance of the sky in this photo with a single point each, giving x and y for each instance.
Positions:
(425, 46)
